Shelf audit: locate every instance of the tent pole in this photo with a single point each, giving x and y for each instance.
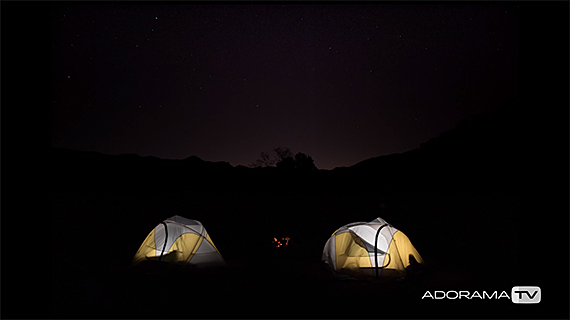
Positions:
(376, 249)
(165, 240)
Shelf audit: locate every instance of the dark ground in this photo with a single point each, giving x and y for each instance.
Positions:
(469, 242)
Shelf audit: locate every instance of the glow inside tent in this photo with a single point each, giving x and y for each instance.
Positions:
(370, 250)
(182, 241)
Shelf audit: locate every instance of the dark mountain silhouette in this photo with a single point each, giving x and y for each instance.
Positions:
(483, 153)
(72, 170)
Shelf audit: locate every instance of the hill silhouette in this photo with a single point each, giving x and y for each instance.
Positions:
(78, 170)
(483, 153)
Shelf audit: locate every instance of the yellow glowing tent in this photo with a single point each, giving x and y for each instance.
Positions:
(371, 250)
(179, 241)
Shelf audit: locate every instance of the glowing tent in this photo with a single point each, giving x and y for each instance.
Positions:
(179, 241)
(371, 250)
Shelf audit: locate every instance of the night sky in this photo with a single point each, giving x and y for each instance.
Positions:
(225, 82)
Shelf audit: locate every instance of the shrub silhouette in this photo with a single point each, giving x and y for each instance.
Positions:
(284, 159)
(300, 162)
(282, 153)
(264, 161)
(304, 162)
(287, 163)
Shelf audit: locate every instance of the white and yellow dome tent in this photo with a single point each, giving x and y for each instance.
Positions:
(179, 241)
(371, 250)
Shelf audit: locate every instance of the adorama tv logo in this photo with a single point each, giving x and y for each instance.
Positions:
(525, 294)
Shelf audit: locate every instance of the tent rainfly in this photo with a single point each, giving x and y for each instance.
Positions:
(179, 241)
(371, 250)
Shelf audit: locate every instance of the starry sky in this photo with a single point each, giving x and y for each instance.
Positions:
(339, 82)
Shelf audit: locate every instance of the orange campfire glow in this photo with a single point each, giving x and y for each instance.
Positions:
(279, 243)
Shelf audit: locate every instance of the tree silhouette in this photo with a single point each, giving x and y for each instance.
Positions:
(263, 161)
(284, 159)
(304, 162)
(282, 153)
(286, 163)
